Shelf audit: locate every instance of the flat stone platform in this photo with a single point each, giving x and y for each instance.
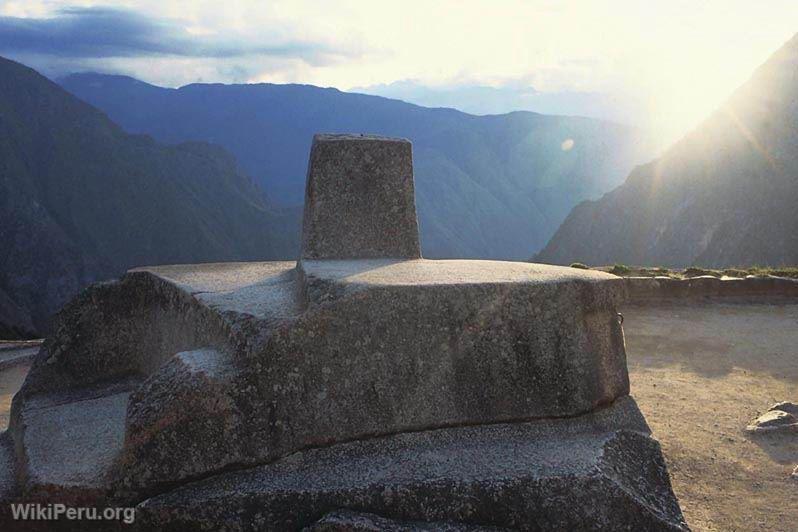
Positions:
(260, 290)
(425, 272)
(271, 358)
(214, 277)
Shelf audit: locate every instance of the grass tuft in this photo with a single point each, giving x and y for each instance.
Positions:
(621, 269)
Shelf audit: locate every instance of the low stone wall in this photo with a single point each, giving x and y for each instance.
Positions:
(16, 353)
(646, 290)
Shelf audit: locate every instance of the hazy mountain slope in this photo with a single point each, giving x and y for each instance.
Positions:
(493, 186)
(82, 200)
(725, 195)
(15, 322)
(482, 100)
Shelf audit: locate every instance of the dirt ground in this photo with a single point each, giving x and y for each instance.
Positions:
(700, 374)
(10, 381)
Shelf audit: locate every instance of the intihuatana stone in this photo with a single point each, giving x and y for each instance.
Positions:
(267, 396)
(372, 353)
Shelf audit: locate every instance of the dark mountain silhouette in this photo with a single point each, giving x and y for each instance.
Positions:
(487, 186)
(81, 200)
(725, 195)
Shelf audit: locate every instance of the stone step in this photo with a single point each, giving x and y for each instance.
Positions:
(68, 443)
(599, 471)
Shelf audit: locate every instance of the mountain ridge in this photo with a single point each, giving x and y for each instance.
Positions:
(722, 196)
(494, 186)
(81, 200)
(481, 100)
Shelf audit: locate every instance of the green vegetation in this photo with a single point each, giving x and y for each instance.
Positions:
(580, 266)
(736, 272)
(621, 269)
(698, 272)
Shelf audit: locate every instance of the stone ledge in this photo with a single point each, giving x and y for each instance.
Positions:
(600, 471)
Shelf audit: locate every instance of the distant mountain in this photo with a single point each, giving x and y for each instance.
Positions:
(81, 200)
(492, 186)
(485, 100)
(725, 195)
(15, 321)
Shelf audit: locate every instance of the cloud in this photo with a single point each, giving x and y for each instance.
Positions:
(679, 66)
(106, 32)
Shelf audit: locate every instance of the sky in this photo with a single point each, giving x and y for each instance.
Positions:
(674, 61)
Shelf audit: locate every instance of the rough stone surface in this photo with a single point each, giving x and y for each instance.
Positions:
(8, 481)
(347, 521)
(359, 199)
(600, 471)
(183, 419)
(786, 406)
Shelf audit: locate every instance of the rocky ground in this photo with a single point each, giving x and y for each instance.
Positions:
(700, 374)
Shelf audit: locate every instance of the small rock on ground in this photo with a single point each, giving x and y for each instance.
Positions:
(781, 417)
